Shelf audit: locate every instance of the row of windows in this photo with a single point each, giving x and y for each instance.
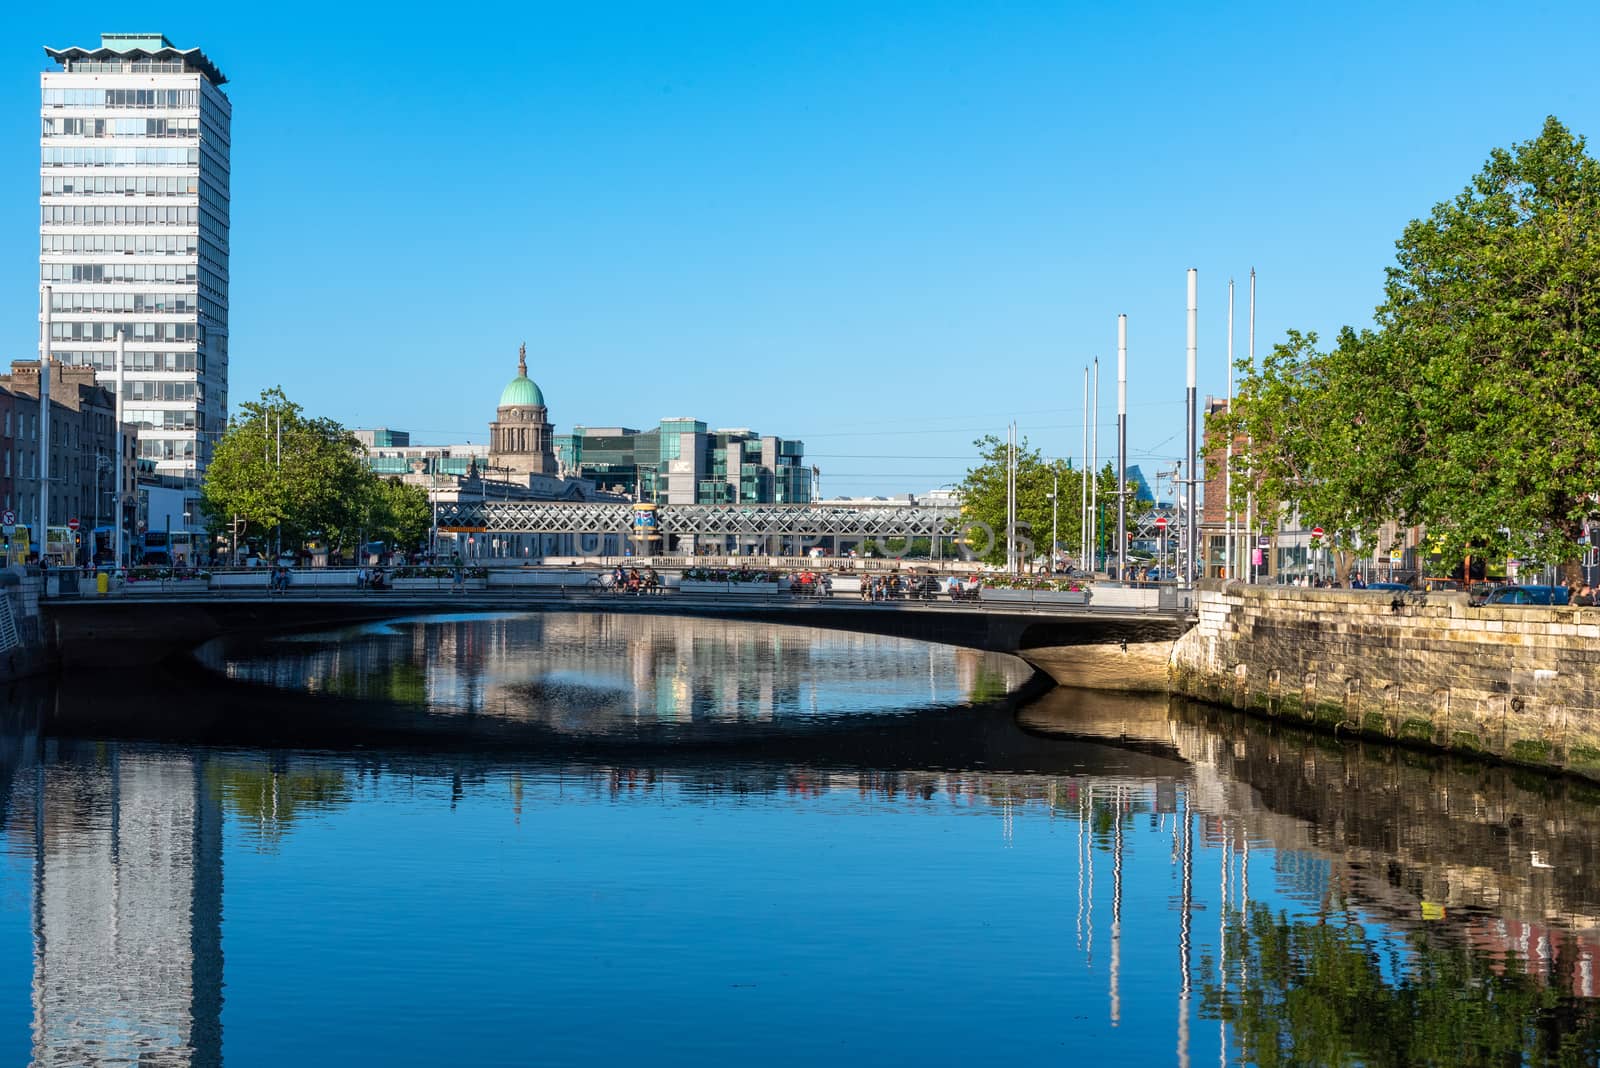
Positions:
(120, 157)
(119, 215)
(98, 273)
(130, 331)
(120, 185)
(120, 98)
(165, 449)
(163, 391)
(133, 361)
(64, 126)
(154, 303)
(124, 244)
(128, 66)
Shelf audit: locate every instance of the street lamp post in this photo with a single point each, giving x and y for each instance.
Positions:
(1055, 493)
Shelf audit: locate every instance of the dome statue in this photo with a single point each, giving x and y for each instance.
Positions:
(522, 391)
(520, 436)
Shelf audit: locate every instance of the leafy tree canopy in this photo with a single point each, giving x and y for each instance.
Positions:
(282, 472)
(1473, 405)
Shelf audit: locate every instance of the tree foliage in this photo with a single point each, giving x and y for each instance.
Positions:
(1473, 405)
(285, 474)
(983, 500)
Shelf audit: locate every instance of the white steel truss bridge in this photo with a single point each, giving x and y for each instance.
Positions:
(816, 521)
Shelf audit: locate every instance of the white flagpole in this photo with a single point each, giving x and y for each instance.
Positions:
(1250, 490)
(1094, 470)
(1232, 571)
(1083, 508)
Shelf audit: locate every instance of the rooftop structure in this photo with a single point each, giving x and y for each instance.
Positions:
(136, 53)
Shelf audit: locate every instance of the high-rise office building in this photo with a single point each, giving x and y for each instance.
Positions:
(133, 236)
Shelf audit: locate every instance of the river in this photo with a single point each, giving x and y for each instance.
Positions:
(582, 838)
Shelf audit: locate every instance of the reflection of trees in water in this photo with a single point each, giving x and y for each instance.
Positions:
(1326, 992)
(266, 797)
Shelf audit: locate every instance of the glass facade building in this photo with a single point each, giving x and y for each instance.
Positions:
(682, 462)
(133, 236)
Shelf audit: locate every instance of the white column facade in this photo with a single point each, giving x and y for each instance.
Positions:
(133, 235)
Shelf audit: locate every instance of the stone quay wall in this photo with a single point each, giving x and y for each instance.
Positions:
(21, 592)
(1427, 669)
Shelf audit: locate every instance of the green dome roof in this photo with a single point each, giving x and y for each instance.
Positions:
(522, 393)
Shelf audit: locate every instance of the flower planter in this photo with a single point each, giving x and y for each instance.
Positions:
(1057, 597)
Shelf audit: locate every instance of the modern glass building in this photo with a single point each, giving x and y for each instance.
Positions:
(133, 235)
(682, 462)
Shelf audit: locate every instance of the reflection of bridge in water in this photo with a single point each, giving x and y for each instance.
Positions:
(126, 840)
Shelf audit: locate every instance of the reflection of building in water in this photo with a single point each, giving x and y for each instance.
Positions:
(585, 671)
(127, 909)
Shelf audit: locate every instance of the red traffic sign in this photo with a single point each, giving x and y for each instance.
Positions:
(72, 524)
(1161, 522)
(1316, 532)
(8, 518)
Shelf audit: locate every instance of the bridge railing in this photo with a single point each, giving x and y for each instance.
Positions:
(513, 586)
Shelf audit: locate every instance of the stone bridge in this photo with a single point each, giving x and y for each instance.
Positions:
(1077, 645)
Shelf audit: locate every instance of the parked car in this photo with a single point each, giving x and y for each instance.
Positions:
(1527, 595)
(1393, 587)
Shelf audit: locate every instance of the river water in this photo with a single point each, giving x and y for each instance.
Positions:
(583, 838)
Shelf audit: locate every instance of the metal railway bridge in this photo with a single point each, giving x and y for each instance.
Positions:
(573, 528)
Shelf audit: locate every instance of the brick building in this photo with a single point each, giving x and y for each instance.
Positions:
(83, 450)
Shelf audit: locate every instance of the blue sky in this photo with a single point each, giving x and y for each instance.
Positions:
(882, 228)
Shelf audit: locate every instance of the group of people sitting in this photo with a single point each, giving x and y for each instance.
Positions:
(895, 587)
(811, 584)
(630, 580)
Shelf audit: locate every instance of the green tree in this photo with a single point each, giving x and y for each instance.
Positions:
(1474, 405)
(286, 474)
(400, 514)
(983, 499)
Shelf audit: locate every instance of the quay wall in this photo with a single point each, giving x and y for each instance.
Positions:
(1426, 669)
(23, 649)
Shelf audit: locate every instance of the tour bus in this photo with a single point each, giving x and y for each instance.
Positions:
(61, 546)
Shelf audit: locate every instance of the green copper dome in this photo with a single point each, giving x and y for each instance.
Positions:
(522, 393)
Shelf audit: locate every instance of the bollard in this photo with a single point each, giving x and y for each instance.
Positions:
(102, 583)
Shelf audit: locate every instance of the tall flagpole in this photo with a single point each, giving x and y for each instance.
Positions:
(1122, 448)
(1094, 470)
(44, 422)
(1189, 460)
(1231, 572)
(1250, 490)
(1083, 483)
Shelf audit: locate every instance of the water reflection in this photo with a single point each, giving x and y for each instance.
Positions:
(1177, 883)
(598, 673)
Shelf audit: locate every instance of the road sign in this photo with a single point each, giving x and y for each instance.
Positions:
(1161, 522)
(8, 517)
(72, 524)
(1316, 532)
(1263, 542)
(1397, 556)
